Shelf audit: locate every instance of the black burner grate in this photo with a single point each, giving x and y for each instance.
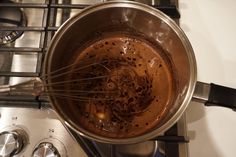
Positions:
(47, 30)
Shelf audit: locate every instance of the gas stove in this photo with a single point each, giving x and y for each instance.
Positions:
(28, 124)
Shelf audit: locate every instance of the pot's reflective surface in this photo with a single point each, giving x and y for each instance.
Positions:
(125, 16)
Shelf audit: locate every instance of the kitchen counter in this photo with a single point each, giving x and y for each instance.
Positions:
(211, 28)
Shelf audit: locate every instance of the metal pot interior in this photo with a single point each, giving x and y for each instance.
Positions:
(129, 17)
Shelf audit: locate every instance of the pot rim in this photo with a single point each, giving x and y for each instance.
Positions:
(128, 4)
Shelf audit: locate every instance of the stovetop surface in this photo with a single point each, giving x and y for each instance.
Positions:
(39, 122)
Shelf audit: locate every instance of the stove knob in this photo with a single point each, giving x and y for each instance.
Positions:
(11, 143)
(45, 149)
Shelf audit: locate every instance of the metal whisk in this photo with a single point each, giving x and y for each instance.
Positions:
(38, 86)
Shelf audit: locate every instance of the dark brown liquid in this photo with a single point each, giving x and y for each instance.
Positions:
(127, 86)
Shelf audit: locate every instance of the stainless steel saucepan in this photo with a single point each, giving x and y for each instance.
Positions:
(154, 25)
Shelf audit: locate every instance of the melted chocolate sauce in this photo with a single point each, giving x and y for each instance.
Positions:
(125, 84)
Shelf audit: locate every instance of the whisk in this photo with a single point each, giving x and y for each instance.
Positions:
(103, 84)
(38, 86)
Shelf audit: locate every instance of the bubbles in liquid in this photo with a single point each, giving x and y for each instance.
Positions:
(120, 87)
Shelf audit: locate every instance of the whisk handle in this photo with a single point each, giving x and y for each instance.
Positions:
(31, 87)
(5, 88)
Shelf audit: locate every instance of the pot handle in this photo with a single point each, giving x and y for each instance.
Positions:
(215, 95)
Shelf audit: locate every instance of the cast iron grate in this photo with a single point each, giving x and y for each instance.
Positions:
(47, 30)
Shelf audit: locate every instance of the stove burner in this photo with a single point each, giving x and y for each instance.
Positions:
(11, 17)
